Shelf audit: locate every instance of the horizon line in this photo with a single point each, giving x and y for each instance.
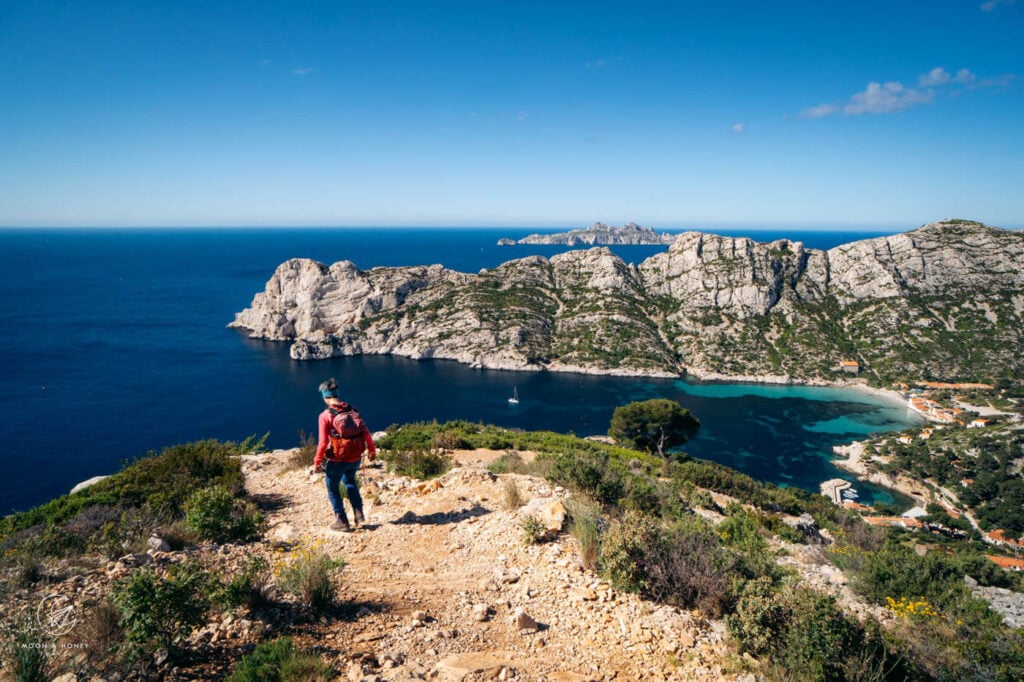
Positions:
(798, 226)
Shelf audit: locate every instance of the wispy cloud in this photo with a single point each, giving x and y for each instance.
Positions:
(819, 111)
(602, 63)
(886, 98)
(303, 71)
(992, 5)
(939, 76)
(522, 116)
(893, 96)
(738, 127)
(1004, 81)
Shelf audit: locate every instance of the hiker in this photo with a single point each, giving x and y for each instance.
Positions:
(339, 452)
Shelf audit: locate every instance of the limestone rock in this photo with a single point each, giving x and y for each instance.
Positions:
(553, 516)
(711, 306)
(457, 667)
(158, 544)
(87, 483)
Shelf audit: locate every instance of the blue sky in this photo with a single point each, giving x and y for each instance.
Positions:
(533, 113)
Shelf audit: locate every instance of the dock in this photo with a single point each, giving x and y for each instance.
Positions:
(833, 489)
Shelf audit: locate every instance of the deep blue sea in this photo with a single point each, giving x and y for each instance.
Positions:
(115, 344)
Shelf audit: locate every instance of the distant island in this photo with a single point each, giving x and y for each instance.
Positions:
(944, 302)
(597, 234)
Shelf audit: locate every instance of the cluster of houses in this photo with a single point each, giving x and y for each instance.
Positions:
(932, 411)
(910, 521)
(999, 539)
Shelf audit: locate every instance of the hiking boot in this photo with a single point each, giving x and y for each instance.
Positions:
(341, 523)
(358, 516)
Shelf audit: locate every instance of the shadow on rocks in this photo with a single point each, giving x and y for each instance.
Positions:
(439, 518)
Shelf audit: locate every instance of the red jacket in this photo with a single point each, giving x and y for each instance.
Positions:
(324, 441)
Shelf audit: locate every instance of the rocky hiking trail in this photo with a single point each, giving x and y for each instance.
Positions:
(439, 584)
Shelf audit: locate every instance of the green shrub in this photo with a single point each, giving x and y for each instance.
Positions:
(419, 464)
(165, 481)
(248, 587)
(591, 472)
(159, 610)
(533, 530)
(127, 534)
(450, 439)
(409, 437)
(897, 571)
(25, 654)
(509, 463)
(307, 575)
(624, 550)
(681, 563)
(800, 632)
(280, 661)
(216, 514)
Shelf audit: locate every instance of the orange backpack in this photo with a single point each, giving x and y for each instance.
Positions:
(347, 428)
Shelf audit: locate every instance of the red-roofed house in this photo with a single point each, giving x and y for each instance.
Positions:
(1006, 562)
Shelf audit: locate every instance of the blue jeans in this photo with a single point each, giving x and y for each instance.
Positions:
(338, 474)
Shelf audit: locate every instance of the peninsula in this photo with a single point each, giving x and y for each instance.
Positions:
(597, 234)
(941, 302)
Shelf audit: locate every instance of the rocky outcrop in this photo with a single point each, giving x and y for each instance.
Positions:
(945, 301)
(597, 234)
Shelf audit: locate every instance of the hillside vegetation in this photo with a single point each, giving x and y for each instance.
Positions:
(653, 554)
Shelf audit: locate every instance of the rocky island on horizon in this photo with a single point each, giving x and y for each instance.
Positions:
(597, 234)
(943, 301)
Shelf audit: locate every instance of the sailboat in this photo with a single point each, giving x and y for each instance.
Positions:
(514, 400)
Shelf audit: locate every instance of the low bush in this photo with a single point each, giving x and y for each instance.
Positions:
(509, 463)
(450, 439)
(214, 513)
(419, 464)
(533, 530)
(409, 436)
(25, 655)
(119, 512)
(512, 497)
(280, 661)
(307, 572)
(591, 472)
(157, 610)
(682, 563)
(165, 481)
(247, 587)
(802, 633)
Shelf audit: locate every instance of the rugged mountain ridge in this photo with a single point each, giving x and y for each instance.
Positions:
(942, 301)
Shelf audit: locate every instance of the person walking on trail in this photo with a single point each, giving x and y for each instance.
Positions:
(343, 436)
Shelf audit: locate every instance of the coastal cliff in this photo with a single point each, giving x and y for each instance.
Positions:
(942, 301)
(596, 235)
